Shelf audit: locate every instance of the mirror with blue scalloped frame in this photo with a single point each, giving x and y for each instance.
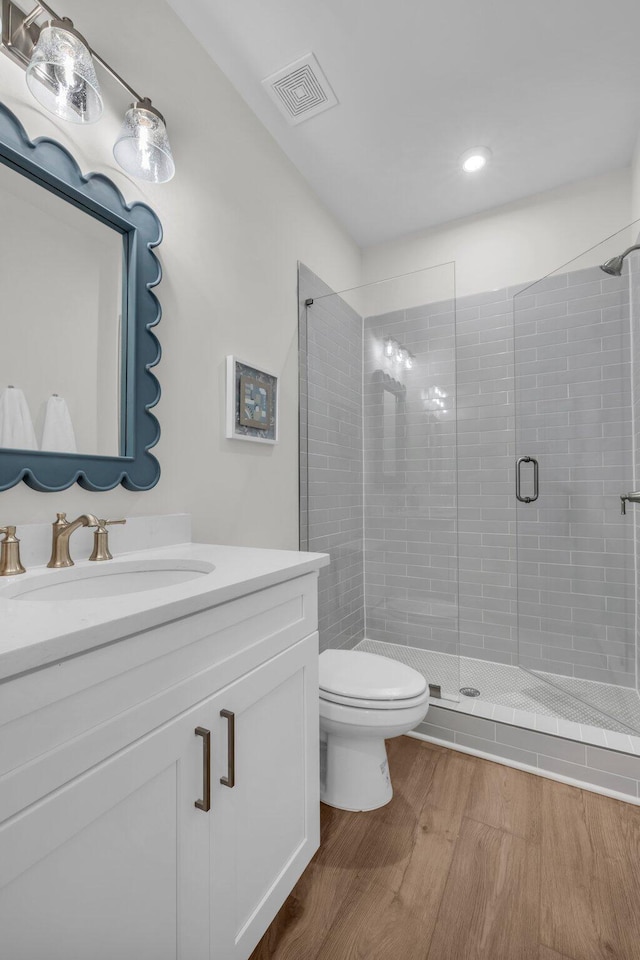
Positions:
(77, 345)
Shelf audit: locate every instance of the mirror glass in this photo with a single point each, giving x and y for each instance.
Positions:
(61, 276)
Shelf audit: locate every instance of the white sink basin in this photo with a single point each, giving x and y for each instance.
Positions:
(112, 578)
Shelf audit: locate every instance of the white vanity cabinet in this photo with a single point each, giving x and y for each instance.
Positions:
(103, 850)
(115, 863)
(265, 829)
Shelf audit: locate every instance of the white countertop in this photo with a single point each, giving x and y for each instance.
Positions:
(34, 633)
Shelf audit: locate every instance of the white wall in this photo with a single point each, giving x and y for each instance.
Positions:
(516, 243)
(236, 219)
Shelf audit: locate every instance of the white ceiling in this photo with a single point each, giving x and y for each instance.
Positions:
(551, 86)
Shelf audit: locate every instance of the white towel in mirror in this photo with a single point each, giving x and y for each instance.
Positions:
(58, 434)
(16, 425)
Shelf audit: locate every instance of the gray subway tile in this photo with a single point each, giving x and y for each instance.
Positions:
(590, 775)
(498, 749)
(541, 743)
(463, 723)
(621, 764)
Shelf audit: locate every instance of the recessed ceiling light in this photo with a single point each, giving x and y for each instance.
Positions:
(475, 159)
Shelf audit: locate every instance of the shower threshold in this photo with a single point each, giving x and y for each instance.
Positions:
(511, 695)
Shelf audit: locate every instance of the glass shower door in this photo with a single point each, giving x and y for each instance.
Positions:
(378, 466)
(575, 452)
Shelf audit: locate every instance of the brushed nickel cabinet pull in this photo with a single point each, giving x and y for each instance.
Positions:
(205, 803)
(230, 779)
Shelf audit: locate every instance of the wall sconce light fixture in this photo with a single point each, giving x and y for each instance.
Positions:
(399, 354)
(61, 75)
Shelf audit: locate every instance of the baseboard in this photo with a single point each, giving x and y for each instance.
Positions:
(527, 768)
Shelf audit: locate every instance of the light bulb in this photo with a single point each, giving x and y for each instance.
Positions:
(475, 159)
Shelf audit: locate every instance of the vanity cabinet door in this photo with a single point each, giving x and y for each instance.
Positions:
(265, 828)
(115, 864)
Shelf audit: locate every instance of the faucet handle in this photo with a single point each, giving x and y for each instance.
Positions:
(633, 497)
(10, 563)
(101, 540)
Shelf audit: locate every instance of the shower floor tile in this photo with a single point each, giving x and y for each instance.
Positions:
(592, 704)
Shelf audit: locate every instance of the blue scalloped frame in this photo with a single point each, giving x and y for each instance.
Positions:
(50, 165)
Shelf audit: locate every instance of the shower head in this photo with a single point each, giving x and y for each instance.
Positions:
(614, 266)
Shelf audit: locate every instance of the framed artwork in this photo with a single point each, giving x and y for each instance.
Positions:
(252, 403)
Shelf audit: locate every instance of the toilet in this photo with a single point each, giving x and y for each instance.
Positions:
(364, 700)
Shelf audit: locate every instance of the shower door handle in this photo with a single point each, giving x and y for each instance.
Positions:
(536, 470)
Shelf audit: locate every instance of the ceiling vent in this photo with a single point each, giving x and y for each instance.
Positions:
(300, 90)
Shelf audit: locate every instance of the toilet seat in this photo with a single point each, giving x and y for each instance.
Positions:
(355, 678)
(360, 703)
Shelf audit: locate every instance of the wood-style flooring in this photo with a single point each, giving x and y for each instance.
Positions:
(471, 860)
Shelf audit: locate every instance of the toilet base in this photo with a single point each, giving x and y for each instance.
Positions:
(355, 774)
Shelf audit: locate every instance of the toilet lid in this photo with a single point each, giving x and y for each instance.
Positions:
(367, 676)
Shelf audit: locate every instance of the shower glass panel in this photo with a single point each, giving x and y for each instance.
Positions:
(378, 465)
(576, 443)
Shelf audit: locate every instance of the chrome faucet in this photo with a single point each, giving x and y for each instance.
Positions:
(633, 497)
(62, 531)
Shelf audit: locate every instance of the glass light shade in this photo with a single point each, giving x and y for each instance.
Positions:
(143, 148)
(61, 74)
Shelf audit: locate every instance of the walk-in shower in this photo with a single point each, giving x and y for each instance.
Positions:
(463, 461)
